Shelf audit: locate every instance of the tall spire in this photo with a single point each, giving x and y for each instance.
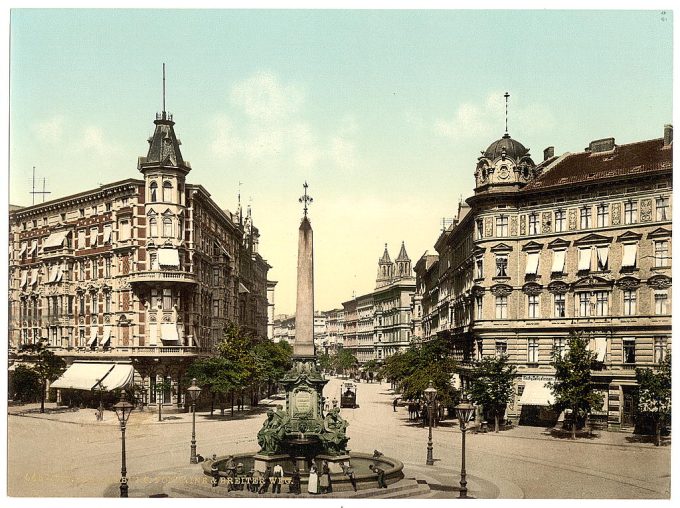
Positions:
(386, 256)
(507, 96)
(306, 200)
(402, 254)
(164, 113)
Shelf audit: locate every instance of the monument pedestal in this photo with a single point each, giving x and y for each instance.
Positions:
(335, 462)
(261, 461)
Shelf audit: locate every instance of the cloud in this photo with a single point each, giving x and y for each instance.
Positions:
(51, 130)
(486, 120)
(266, 125)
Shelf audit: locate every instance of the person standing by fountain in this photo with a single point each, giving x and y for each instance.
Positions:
(325, 479)
(294, 487)
(313, 483)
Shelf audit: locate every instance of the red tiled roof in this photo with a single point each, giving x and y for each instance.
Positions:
(634, 158)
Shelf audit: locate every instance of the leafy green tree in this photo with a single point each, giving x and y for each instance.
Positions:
(161, 388)
(654, 394)
(572, 387)
(44, 363)
(325, 361)
(371, 367)
(272, 360)
(344, 361)
(25, 384)
(492, 385)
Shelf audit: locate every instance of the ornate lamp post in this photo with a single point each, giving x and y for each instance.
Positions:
(123, 409)
(194, 392)
(430, 395)
(464, 411)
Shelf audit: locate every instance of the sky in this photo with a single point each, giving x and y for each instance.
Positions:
(383, 113)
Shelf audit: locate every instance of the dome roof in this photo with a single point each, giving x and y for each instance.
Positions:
(513, 148)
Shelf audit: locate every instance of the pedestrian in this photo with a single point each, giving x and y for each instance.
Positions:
(215, 474)
(349, 472)
(335, 402)
(325, 479)
(230, 468)
(250, 480)
(278, 479)
(313, 483)
(239, 475)
(394, 404)
(264, 487)
(294, 486)
(380, 474)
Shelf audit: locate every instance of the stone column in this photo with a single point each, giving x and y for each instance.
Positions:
(304, 310)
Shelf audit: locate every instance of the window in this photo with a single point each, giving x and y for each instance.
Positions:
(82, 305)
(70, 305)
(124, 230)
(502, 226)
(478, 302)
(602, 258)
(180, 227)
(167, 299)
(559, 258)
(108, 207)
(216, 308)
(661, 257)
(501, 265)
(62, 217)
(533, 223)
(153, 227)
(155, 300)
(479, 349)
(501, 306)
(107, 267)
(602, 215)
(479, 268)
(153, 190)
(560, 305)
(532, 350)
(480, 228)
(660, 302)
(560, 221)
(630, 212)
(94, 210)
(153, 260)
(628, 350)
(216, 276)
(167, 227)
(584, 304)
(501, 348)
(107, 234)
(81, 212)
(585, 217)
(81, 239)
(107, 302)
(532, 306)
(629, 255)
(629, 302)
(532, 263)
(559, 347)
(584, 259)
(601, 303)
(167, 192)
(659, 349)
(662, 209)
(81, 271)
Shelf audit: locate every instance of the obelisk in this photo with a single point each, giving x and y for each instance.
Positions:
(304, 308)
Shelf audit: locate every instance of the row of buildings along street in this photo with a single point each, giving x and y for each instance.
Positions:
(573, 242)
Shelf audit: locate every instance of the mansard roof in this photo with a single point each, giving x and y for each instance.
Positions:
(163, 147)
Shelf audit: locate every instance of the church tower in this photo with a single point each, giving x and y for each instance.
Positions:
(385, 270)
(403, 263)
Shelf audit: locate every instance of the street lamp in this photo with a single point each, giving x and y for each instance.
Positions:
(123, 409)
(194, 392)
(464, 411)
(430, 395)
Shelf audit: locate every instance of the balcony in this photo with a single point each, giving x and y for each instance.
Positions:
(160, 276)
(128, 351)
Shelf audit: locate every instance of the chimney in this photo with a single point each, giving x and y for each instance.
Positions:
(601, 145)
(667, 134)
(548, 153)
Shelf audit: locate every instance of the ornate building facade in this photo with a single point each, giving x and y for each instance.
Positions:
(145, 272)
(579, 242)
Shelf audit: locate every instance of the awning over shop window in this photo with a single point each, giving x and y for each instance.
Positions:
(532, 263)
(168, 257)
(22, 250)
(83, 376)
(55, 273)
(629, 255)
(34, 246)
(24, 278)
(34, 276)
(536, 394)
(584, 259)
(242, 288)
(169, 332)
(559, 257)
(119, 377)
(93, 336)
(55, 240)
(107, 337)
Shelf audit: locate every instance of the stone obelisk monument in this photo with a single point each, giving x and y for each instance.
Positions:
(304, 308)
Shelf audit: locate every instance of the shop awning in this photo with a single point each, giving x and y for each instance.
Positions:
(629, 255)
(169, 332)
(242, 288)
(24, 278)
(107, 336)
(559, 257)
(168, 257)
(93, 336)
(83, 376)
(119, 377)
(34, 276)
(34, 246)
(56, 239)
(536, 394)
(22, 250)
(532, 263)
(584, 259)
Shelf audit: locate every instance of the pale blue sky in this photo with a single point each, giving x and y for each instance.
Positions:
(383, 112)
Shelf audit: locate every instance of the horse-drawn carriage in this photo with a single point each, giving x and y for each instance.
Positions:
(348, 395)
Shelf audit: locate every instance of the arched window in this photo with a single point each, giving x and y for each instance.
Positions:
(153, 188)
(167, 192)
(167, 227)
(180, 227)
(153, 227)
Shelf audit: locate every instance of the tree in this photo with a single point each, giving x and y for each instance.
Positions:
(344, 361)
(492, 385)
(161, 388)
(44, 363)
(371, 367)
(654, 399)
(25, 384)
(572, 387)
(325, 361)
